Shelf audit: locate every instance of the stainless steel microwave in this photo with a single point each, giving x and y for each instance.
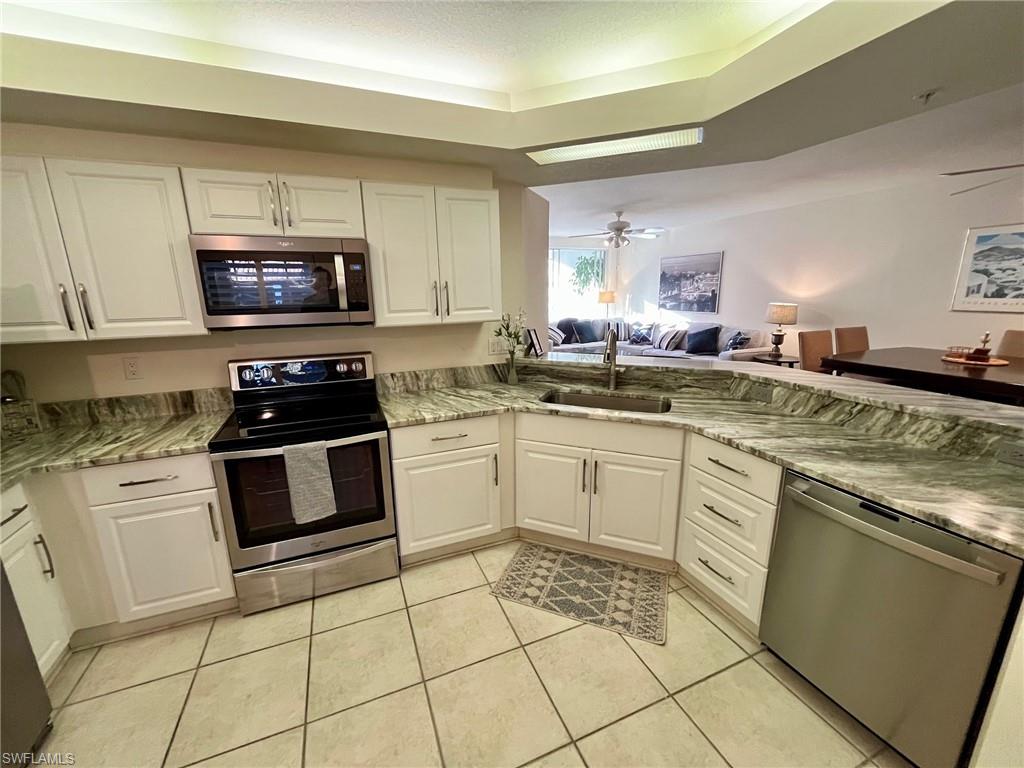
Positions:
(252, 282)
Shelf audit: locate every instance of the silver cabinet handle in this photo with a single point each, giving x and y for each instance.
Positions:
(595, 477)
(714, 511)
(495, 469)
(447, 300)
(15, 511)
(584, 476)
(64, 303)
(723, 465)
(130, 483)
(84, 296)
(437, 301)
(49, 571)
(213, 521)
(273, 205)
(439, 438)
(719, 574)
(287, 199)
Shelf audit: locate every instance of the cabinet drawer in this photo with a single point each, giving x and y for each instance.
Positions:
(741, 520)
(15, 511)
(737, 468)
(737, 579)
(424, 439)
(145, 479)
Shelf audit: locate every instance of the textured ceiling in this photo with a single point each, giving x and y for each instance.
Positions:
(499, 46)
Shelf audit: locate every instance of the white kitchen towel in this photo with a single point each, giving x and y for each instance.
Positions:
(309, 481)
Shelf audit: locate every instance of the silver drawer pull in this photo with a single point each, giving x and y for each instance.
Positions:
(64, 304)
(15, 511)
(130, 483)
(213, 521)
(723, 465)
(719, 574)
(83, 295)
(714, 511)
(449, 437)
(273, 206)
(49, 571)
(495, 469)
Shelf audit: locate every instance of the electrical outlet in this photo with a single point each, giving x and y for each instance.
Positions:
(132, 369)
(496, 347)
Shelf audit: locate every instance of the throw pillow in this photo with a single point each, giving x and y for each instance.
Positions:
(738, 340)
(622, 330)
(703, 342)
(670, 338)
(555, 336)
(641, 335)
(583, 333)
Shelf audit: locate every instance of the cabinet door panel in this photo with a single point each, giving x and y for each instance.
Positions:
(553, 489)
(469, 254)
(446, 497)
(37, 594)
(127, 240)
(164, 554)
(34, 270)
(321, 206)
(401, 232)
(232, 202)
(635, 503)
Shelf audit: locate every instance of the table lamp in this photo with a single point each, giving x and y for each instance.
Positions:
(606, 298)
(780, 314)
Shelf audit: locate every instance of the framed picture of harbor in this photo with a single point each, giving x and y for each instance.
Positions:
(691, 283)
(991, 277)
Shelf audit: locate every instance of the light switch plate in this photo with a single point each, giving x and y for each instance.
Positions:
(496, 346)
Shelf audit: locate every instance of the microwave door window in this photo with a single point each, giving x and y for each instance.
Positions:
(268, 283)
(230, 285)
(300, 285)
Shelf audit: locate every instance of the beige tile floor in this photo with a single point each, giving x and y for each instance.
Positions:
(431, 670)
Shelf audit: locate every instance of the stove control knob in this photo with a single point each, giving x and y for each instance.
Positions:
(266, 373)
(342, 367)
(357, 366)
(247, 374)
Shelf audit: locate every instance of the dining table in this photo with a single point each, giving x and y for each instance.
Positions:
(924, 368)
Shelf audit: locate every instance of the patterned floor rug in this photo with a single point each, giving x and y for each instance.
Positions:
(624, 598)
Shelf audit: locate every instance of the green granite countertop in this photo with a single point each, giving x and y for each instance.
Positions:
(89, 445)
(978, 498)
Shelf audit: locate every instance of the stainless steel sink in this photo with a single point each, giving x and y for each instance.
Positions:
(609, 401)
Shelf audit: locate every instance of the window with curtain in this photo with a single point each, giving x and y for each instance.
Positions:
(575, 277)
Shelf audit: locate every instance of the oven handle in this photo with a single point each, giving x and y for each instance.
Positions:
(259, 452)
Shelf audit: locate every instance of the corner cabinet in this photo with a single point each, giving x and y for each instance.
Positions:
(435, 254)
(267, 203)
(37, 291)
(126, 234)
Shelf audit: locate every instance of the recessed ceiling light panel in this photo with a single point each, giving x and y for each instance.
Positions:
(687, 137)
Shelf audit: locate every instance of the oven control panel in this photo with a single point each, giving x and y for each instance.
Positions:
(251, 375)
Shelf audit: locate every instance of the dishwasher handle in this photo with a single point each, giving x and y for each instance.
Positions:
(928, 554)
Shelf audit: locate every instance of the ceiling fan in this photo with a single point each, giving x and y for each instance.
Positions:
(619, 231)
(982, 170)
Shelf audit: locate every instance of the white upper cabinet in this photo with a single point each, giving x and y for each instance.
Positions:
(469, 253)
(37, 293)
(401, 230)
(435, 254)
(126, 234)
(320, 206)
(232, 202)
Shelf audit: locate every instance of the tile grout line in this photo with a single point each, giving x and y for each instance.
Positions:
(701, 731)
(188, 694)
(78, 682)
(240, 746)
(423, 680)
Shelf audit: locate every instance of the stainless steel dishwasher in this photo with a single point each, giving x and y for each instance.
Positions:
(899, 622)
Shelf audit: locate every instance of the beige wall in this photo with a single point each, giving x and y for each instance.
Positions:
(886, 259)
(71, 370)
(524, 230)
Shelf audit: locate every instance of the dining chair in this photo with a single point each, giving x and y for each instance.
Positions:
(852, 339)
(814, 345)
(1011, 345)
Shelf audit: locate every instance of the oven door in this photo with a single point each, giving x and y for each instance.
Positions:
(255, 502)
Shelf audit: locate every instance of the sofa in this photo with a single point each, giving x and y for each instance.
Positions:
(570, 326)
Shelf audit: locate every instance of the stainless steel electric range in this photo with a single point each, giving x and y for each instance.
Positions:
(330, 402)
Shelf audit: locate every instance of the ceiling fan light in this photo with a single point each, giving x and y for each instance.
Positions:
(685, 137)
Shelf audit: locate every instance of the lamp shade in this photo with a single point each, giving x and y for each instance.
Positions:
(781, 314)
(606, 297)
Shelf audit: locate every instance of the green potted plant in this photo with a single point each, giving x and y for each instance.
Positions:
(510, 330)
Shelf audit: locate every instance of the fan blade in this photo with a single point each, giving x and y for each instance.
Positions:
(982, 170)
(643, 235)
(593, 234)
(980, 186)
(645, 231)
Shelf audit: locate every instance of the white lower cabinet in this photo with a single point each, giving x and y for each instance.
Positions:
(552, 489)
(635, 503)
(164, 553)
(734, 578)
(32, 575)
(447, 497)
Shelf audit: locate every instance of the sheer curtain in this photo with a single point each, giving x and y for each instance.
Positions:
(563, 298)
